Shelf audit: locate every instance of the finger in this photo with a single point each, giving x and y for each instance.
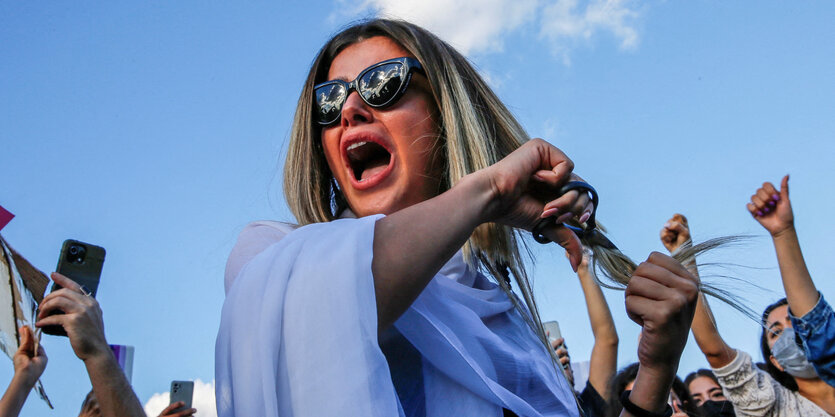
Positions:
(62, 302)
(759, 203)
(765, 194)
(27, 341)
(784, 188)
(672, 265)
(565, 205)
(771, 193)
(569, 241)
(752, 209)
(555, 161)
(678, 227)
(560, 341)
(680, 218)
(171, 407)
(186, 413)
(638, 307)
(65, 282)
(554, 344)
(648, 288)
(66, 292)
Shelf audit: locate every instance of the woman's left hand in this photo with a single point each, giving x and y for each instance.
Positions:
(524, 187)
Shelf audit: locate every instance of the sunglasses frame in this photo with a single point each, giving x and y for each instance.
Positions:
(409, 64)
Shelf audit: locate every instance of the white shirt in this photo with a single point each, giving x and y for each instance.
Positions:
(298, 336)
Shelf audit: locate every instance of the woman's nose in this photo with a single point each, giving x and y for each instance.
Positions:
(355, 111)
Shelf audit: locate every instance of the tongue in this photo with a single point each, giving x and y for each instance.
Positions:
(373, 168)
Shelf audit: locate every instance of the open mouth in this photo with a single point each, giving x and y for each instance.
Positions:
(367, 160)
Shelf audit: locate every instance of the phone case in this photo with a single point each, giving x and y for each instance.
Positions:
(553, 330)
(182, 391)
(82, 263)
(84, 267)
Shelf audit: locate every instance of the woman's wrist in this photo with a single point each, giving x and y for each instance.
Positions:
(786, 232)
(652, 387)
(477, 190)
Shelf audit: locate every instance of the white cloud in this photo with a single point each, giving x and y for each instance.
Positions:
(565, 22)
(203, 400)
(480, 26)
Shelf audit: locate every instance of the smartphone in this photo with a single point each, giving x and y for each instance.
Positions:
(181, 391)
(82, 263)
(552, 328)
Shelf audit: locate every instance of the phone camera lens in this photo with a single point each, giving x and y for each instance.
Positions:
(77, 253)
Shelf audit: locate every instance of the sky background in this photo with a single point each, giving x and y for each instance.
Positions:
(159, 129)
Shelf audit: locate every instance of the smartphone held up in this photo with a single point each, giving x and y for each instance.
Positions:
(82, 263)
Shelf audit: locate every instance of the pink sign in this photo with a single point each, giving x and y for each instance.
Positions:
(5, 217)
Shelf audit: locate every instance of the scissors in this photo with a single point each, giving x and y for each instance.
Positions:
(588, 233)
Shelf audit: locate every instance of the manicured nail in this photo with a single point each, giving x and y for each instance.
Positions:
(565, 217)
(548, 213)
(775, 197)
(585, 217)
(771, 203)
(759, 213)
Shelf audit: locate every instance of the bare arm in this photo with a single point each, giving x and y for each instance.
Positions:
(773, 210)
(674, 234)
(432, 231)
(82, 320)
(28, 367)
(604, 353)
(661, 297)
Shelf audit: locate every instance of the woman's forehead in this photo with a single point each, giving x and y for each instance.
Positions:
(777, 315)
(358, 56)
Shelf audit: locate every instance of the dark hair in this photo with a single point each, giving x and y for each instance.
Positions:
(701, 372)
(682, 391)
(782, 377)
(617, 386)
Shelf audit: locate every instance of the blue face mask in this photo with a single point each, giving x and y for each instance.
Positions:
(791, 356)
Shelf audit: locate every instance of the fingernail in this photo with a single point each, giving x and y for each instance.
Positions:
(766, 210)
(775, 197)
(772, 203)
(565, 217)
(549, 212)
(759, 213)
(585, 217)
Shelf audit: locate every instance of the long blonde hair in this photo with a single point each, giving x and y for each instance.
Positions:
(476, 130)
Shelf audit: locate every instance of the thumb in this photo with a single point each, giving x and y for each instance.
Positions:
(784, 188)
(26, 339)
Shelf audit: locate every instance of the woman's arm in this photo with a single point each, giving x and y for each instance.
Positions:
(661, 297)
(411, 245)
(674, 234)
(773, 210)
(28, 367)
(604, 353)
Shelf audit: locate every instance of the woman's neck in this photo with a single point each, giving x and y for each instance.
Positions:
(818, 392)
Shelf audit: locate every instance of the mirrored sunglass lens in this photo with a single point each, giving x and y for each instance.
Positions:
(329, 99)
(379, 85)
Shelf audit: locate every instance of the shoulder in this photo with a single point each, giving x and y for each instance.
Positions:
(253, 239)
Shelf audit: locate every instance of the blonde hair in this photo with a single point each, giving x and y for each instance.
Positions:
(476, 130)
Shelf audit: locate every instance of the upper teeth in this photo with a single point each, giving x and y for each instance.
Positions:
(356, 145)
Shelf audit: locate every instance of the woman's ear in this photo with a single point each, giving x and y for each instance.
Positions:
(776, 364)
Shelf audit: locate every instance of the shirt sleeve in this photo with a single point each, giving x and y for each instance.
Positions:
(750, 390)
(817, 330)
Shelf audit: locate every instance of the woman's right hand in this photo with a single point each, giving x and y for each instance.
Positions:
(772, 208)
(675, 232)
(524, 187)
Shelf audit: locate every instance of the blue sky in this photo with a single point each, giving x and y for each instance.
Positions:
(158, 130)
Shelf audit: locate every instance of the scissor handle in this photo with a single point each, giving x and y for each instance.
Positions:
(590, 231)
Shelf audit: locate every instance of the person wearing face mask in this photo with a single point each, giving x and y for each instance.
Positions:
(789, 388)
(707, 394)
(812, 319)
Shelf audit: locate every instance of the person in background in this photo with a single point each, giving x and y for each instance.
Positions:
(707, 394)
(28, 367)
(811, 316)
(72, 308)
(604, 352)
(752, 391)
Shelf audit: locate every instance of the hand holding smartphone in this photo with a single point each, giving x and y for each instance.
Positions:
(82, 263)
(181, 391)
(552, 329)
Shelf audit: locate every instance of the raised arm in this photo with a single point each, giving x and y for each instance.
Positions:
(28, 367)
(773, 210)
(82, 320)
(660, 297)
(411, 245)
(604, 353)
(674, 234)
